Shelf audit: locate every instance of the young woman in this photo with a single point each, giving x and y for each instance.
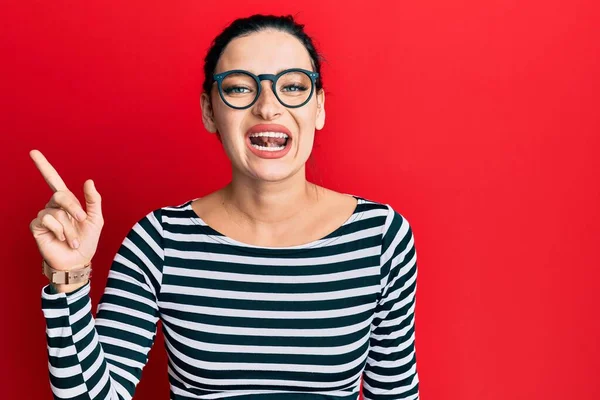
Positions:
(271, 287)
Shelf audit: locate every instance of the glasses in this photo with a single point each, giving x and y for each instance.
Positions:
(240, 89)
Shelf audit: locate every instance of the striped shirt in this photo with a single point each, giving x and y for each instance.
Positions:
(313, 321)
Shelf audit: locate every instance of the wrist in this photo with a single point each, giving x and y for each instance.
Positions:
(67, 287)
(66, 279)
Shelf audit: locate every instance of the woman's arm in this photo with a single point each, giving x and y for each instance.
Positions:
(391, 369)
(103, 358)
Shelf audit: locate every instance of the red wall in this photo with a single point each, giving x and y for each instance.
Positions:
(477, 120)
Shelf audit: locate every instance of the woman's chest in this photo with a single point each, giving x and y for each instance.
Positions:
(302, 324)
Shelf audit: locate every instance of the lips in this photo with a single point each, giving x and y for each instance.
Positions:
(268, 128)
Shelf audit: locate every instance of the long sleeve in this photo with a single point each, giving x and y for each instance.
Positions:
(391, 368)
(103, 358)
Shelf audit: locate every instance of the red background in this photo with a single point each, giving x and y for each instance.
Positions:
(477, 120)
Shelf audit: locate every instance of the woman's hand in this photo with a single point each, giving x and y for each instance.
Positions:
(66, 235)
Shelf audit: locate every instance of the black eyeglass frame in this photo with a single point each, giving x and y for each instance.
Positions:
(270, 77)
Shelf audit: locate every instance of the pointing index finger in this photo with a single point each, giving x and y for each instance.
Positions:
(48, 172)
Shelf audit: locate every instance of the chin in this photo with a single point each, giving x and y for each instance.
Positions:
(272, 173)
(272, 176)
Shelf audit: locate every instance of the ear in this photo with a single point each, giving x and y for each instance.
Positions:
(320, 122)
(208, 118)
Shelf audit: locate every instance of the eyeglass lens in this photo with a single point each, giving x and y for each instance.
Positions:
(240, 89)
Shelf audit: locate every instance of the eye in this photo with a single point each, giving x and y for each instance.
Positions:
(236, 90)
(295, 88)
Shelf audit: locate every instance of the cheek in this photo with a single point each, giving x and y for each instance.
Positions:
(228, 122)
(307, 117)
(307, 138)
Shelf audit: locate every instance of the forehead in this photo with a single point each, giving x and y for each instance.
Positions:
(265, 52)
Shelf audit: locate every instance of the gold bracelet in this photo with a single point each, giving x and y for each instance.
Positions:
(67, 277)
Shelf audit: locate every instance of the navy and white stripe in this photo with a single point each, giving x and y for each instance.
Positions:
(245, 321)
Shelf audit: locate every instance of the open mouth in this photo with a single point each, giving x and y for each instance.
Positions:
(269, 141)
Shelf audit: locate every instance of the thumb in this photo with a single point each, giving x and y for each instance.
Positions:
(92, 200)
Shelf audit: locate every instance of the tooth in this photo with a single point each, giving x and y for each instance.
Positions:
(270, 134)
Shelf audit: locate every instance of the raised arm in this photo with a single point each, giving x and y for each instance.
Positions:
(104, 358)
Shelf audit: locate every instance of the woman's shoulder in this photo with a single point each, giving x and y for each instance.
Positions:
(367, 204)
(166, 212)
(370, 211)
(387, 214)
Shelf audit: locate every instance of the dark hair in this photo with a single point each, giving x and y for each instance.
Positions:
(256, 23)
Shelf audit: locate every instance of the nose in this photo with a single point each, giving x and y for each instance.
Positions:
(267, 106)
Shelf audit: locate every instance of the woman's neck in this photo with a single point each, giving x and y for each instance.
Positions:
(269, 206)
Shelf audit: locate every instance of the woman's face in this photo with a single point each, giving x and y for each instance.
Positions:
(265, 52)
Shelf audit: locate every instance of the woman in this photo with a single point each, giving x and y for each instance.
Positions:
(271, 287)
